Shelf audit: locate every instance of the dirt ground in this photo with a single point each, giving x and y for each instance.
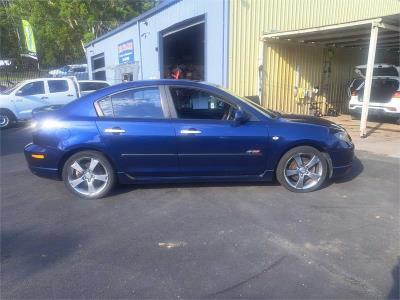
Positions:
(382, 138)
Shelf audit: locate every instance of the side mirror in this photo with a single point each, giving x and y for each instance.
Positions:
(241, 117)
(18, 93)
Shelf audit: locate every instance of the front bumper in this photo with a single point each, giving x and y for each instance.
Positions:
(43, 161)
(341, 161)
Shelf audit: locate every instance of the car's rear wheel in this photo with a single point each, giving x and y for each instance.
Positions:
(88, 174)
(302, 169)
(6, 119)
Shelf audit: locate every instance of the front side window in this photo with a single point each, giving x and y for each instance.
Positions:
(32, 88)
(57, 86)
(138, 103)
(198, 104)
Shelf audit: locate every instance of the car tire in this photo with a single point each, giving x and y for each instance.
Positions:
(302, 175)
(7, 118)
(88, 175)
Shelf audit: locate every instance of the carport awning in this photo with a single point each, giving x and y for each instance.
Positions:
(353, 34)
(358, 34)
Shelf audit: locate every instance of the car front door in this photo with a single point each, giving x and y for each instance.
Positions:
(30, 96)
(210, 142)
(138, 133)
(61, 91)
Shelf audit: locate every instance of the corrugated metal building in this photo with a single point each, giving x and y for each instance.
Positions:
(287, 66)
(142, 48)
(236, 56)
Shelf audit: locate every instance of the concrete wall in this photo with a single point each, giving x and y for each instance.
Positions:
(145, 34)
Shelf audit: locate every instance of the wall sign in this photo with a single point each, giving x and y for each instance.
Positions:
(125, 52)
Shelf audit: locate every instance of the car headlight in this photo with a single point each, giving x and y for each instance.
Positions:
(343, 136)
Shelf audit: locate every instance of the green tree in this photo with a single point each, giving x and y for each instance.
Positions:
(62, 27)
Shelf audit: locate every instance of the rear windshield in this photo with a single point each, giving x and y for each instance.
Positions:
(383, 84)
(385, 71)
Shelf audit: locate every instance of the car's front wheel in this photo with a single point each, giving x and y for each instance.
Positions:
(302, 169)
(88, 174)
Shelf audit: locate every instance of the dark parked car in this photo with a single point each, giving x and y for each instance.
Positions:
(170, 130)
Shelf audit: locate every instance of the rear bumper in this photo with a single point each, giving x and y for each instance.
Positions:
(46, 166)
(375, 111)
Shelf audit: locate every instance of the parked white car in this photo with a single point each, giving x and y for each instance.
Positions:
(17, 103)
(385, 92)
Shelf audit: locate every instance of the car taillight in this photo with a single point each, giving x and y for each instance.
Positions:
(354, 93)
(396, 95)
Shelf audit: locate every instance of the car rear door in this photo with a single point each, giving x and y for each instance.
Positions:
(61, 91)
(210, 142)
(137, 132)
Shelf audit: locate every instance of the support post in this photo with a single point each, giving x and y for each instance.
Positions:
(261, 49)
(368, 78)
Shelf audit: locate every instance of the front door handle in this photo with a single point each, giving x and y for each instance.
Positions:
(44, 97)
(115, 130)
(70, 95)
(190, 131)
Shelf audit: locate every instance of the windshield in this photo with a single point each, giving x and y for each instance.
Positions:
(12, 89)
(265, 111)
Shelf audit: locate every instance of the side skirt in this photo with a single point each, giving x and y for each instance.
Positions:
(124, 178)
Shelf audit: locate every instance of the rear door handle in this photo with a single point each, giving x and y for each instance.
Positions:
(115, 130)
(190, 131)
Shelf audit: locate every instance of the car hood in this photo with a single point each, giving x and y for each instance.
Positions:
(310, 120)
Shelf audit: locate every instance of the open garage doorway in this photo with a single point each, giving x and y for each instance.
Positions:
(182, 50)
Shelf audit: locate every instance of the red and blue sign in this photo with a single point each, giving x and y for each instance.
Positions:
(125, 53)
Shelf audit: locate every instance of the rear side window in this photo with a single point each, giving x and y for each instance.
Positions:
(58, 86)
(106, 107)
(138, 103)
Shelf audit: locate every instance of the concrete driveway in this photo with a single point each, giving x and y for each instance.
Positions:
(199, 240)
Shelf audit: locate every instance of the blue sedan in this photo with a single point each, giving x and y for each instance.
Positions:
(172, 130)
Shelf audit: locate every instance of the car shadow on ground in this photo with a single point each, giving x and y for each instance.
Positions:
(395, 290)
(37, 251)
(354, 172)
(126, 188)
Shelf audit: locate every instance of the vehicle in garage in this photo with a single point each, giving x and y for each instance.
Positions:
(168, 130)
(385, 93)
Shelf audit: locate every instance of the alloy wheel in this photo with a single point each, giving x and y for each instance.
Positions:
(303, 171)
(88, 176)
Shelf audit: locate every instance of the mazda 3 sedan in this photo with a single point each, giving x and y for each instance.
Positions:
(176, 130)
